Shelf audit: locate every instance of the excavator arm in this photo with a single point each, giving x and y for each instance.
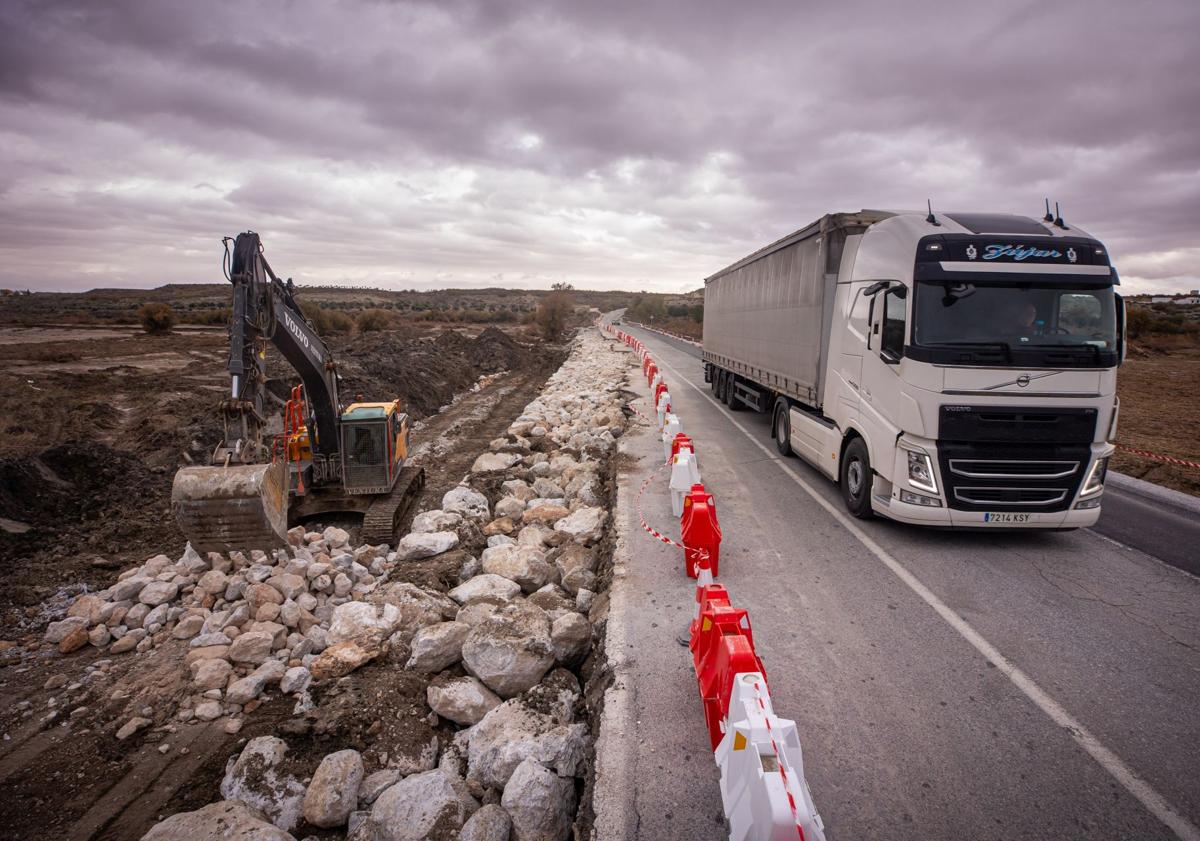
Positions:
(241, 501)
(265, 310)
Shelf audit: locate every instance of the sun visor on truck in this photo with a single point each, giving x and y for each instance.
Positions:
(1005, 259)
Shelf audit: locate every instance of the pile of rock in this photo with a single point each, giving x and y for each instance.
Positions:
(502, 648)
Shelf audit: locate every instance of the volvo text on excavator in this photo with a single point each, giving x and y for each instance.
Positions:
(327, 458)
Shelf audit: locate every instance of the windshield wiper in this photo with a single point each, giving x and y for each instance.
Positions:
(1093, 349)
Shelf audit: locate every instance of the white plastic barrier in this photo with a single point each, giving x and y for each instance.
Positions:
(671, 428)
(683, 469)
(763, 789)
(664, 400)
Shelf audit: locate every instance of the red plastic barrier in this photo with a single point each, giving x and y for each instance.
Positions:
(700, 530)
(659, 389)
(682, 441)
(722, 645)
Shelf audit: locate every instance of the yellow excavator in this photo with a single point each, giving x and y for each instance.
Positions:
(328, 459)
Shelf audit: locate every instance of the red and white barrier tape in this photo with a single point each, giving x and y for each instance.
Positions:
(781, 760)
(700, 554)
(1156, 457)
(641, 414)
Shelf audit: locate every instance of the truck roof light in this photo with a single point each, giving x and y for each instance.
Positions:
(933, 246)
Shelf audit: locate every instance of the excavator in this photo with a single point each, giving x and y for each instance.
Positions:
(327, 459)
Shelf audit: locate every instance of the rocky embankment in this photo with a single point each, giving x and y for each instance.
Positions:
(504, 653)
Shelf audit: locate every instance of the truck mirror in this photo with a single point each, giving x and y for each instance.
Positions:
(875, 288)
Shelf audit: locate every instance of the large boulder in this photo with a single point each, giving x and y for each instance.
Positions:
(472, 505)
(584, 526)
(342, 658)
(333, 793)
(513, 732)
(571, 639)
(526, 565)
(255, 779)
(435, 520)
(252, 647)
(227, 820)
(494, 462)
(417, 607)
(419, 806)
(540, 803)
(437, 647)
(511, 651)
(158, 592)
(415, 546)
(491, 823)
(355, 618)
(486, 586)
(463, 700)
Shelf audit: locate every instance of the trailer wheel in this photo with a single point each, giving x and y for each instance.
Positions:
(719, 385)
(714, 378)
(782, 428)
(731, 399)
(856, 479)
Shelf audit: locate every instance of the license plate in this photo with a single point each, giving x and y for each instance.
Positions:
(1005, 517)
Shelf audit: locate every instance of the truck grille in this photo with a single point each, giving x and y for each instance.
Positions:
(1012, 469)
(1013, 458)
(995, 497)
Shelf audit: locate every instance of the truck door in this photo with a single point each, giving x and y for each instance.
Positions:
(853, 343)
(879, 411)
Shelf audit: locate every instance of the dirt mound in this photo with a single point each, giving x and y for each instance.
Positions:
(79, 501)
(427, 372)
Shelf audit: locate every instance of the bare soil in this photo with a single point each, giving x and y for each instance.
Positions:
(1160, 413)
(92, 430)
(91, 490)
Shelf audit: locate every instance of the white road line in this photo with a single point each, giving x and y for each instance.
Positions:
(1109, 761)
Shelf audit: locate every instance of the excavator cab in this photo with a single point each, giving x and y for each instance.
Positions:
(374, 446)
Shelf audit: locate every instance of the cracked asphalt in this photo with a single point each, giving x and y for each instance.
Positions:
(909, 731)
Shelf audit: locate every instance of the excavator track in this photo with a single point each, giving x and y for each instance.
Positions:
(383, 518)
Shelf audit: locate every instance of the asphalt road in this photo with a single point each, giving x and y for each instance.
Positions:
(1164, 524)
(945, 685)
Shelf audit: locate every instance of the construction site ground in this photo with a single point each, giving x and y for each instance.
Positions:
(94, 425)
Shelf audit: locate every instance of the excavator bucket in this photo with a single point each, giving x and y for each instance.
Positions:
(220, 509)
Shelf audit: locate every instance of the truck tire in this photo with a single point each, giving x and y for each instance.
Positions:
(856, 479)
(719, 379)
(714, 379)
(781, 428)
(731, 400)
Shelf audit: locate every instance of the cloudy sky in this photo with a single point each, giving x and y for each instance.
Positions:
(618, 144)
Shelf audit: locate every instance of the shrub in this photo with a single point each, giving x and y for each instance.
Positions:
(552, 313)
(326, 322)
(156, 318)
(370, 321)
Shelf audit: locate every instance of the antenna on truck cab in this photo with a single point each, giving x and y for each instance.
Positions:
(931, 219)
(1058, 220)
(1049, 217)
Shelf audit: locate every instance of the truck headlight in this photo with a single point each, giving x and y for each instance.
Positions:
(920, 472)
(1094, 483)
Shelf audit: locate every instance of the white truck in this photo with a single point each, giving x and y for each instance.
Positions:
(956, 369)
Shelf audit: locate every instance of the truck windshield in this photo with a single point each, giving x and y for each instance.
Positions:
(1041, 314)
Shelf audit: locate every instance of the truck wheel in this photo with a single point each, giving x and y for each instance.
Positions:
(857, 479)
(714, 379)
(731, 394)
(720, 385)
(783, 429)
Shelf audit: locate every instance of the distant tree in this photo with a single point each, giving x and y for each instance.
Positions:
(561, 287)
(696, 313)
(156, 318)
(552, 314)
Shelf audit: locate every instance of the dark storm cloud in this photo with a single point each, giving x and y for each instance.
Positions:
(622, 144)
